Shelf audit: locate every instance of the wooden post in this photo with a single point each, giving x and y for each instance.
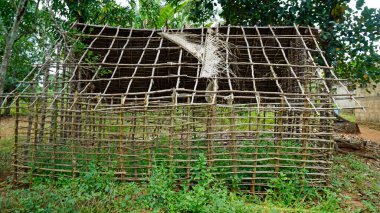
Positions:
(210, 135)
(100, 131)
(233, 144)
(86, 129)
(44, 102)
(146, 135)
(53, 137)
(109, 136)
(306, 119)
(73, 145)
(34, 146)
(121, 147)
(133, 142)
(249, 122)
(280, 130)
(29, 133)
(255, 155)
(172, 127)
(188, 138)
(15, 150)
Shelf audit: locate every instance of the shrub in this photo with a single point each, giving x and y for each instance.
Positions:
(96, 192)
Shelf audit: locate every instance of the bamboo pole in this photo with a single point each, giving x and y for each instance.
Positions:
(233, 142)
(35, 138)
(279, 138)
(255, 155)
(188, 140)
(209, 131)
(121, 145)
(15, 149)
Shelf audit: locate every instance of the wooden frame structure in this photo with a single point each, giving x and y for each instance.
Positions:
(129, 99)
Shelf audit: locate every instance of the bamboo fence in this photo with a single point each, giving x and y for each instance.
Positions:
(129, 100)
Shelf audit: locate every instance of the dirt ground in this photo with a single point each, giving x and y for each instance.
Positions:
(368, 133)
(7, 125)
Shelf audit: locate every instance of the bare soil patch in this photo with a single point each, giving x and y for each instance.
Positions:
(7, 127)
(369, 133)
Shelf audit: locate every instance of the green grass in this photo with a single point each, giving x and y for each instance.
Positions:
(6, 145)
(355, 187)
(93, 192)
(158, 154)
(348, 116)
(358, 182)
(6, 148)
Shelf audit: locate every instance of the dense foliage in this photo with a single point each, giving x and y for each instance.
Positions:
(348, 35)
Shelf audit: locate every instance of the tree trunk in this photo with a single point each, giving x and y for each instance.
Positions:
(9, 43)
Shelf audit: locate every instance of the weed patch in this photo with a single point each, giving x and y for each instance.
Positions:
(98, 191)
(357, 182)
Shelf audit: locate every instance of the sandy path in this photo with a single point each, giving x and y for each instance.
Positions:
(369, 134)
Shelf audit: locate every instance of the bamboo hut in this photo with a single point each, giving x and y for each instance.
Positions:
(254, 100)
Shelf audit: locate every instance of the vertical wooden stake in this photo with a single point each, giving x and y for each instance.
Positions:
(109, 135)
(121, 147)
(54, 137)
(100, 131)
(146, 139)
(280, 130)
(233, 149)
(249, 122)
(264, 120)
(255, 155)
(133, 143)
(15, 150)
(210, 136)
(73, 145)
(188, 138)
(172, 127)
(34, 146)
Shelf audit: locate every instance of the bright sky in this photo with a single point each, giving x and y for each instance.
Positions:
(368, 3)
(122, 2)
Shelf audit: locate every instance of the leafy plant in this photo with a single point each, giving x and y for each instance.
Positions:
(348, 34)
(294, 191)
(98, 191)
(353, 177)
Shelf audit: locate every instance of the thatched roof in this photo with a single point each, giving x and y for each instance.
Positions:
(141, 65)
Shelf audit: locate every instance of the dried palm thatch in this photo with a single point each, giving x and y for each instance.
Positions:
(212, 54)
(254, 100)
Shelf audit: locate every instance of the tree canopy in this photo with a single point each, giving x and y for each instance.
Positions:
(348, 35)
